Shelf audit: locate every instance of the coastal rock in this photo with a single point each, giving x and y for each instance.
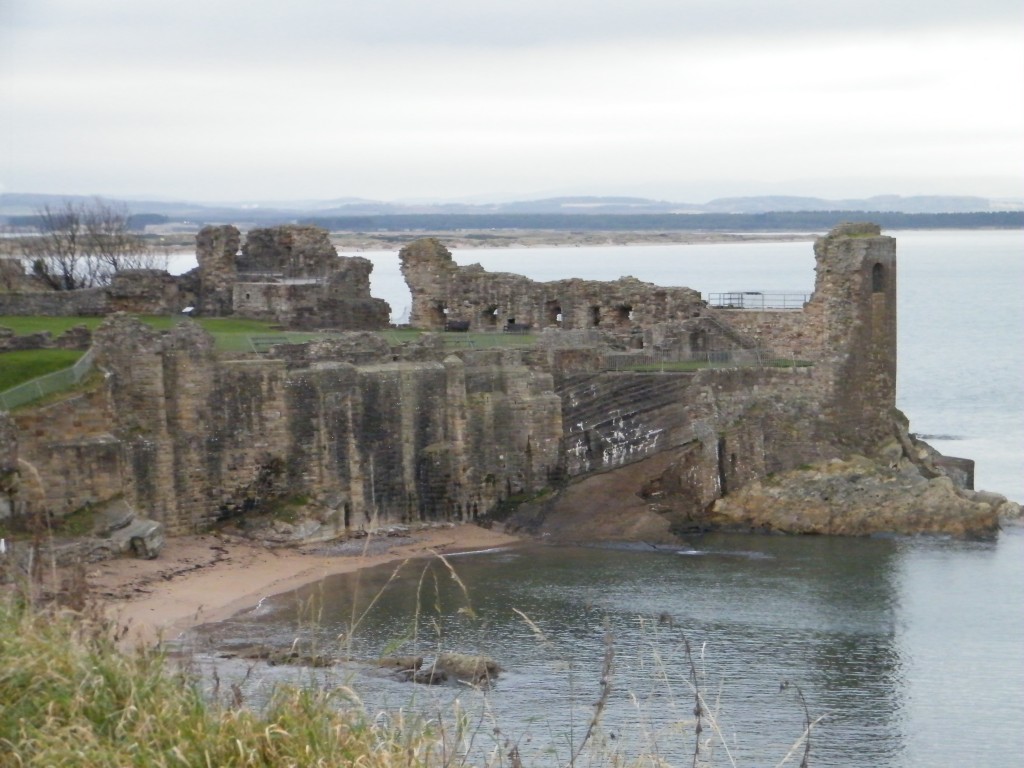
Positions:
(467, 667)
(401, 663)
(859, 497)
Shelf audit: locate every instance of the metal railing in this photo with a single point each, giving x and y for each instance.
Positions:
(683, 362)
(758, 299)
(48, 384)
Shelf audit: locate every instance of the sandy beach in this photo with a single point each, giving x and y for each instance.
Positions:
(204, 578)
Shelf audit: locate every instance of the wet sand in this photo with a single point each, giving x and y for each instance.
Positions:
(204, 578)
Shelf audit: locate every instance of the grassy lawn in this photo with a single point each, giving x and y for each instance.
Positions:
(22, 366)
(230, 335)
(22, 325)
(37, 323)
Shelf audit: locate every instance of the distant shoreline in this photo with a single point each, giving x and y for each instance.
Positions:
(525, 238)
(469, 239)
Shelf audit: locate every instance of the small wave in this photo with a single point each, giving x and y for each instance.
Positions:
(938, 437)
(749, 555)
(487, 551)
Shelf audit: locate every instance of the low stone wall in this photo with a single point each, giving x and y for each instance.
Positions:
(788, 333)
(87, 302)
(79, 337)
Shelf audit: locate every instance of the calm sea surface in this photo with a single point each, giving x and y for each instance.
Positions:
(914, 648)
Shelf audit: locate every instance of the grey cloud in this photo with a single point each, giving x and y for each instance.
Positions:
(472, 23)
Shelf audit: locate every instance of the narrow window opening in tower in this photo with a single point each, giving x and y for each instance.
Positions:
(877, 278)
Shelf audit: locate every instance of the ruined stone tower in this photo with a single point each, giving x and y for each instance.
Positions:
(855, 294)
(216, 248)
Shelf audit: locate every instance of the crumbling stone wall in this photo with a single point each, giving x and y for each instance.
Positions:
(290, 275)
(79, 337)
(86, 302)
(143, 291)
(444, 293)
(216, 249)
(855, 291)
(290, 251)
(68, 457)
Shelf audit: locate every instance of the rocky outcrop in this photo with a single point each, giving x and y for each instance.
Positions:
(859, 496)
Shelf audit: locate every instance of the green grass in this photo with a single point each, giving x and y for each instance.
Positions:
(230, 334)
(19, 367)
(22, 325)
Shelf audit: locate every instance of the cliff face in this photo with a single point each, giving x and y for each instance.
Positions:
(375, 443)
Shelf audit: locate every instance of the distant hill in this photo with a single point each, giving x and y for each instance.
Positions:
(770, 212)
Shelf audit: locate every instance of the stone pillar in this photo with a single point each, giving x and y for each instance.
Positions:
(216, 248)
(427, 267)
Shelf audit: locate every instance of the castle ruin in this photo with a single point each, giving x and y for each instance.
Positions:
(371, 434)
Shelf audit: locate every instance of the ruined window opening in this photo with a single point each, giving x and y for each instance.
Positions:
(247, 296)
(698, 341)
(490, 316)
(877, 278)
(437, 315)
(554, 310)
(595, 316)
(623, 314)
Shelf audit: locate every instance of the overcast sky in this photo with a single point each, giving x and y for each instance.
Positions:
(506, 99)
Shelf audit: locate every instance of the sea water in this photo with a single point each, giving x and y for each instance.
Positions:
(912, 648)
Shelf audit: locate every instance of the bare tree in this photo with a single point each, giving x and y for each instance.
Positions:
(82, 245)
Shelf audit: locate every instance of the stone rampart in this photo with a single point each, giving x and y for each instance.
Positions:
(443, 292)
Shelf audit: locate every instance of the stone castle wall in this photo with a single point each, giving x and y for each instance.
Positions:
(69, 456)
(197, 438)
(290, 275)
(444, 293)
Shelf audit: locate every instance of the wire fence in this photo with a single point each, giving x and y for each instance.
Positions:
(48, 384)
(684, 361)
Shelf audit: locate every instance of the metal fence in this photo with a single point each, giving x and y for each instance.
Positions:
(759, 300)
(45, 385)
(682, 362)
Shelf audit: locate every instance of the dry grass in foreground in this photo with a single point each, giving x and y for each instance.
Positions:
(70, 697)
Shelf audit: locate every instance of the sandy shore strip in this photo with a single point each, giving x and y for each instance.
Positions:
(203, 578)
